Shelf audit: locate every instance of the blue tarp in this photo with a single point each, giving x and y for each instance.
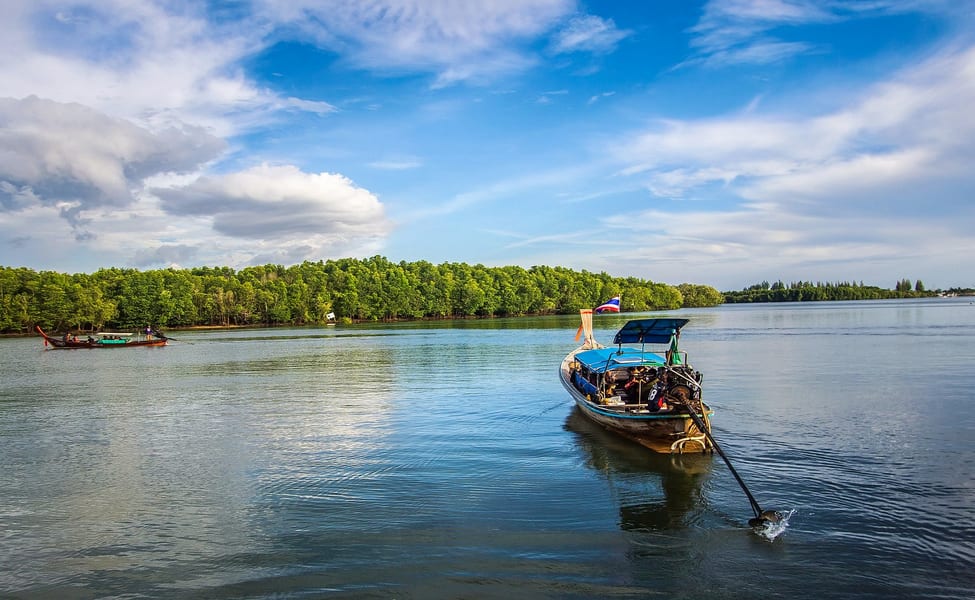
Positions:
(604, 359)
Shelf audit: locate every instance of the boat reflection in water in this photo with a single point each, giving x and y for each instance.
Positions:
(655, 491)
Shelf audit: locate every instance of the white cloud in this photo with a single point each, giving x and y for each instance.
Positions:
(111, 98)
(735, 31)
(546, 97)
(280, 203)
(144, 61)
(754, 242)
(397, 164)
(588, 33)
(817, 191)
(914, 128)
(77, 158)
(459, 41)
(321, 108)
(597, 97)
(749, 31)
(763, 52)
(275, 214)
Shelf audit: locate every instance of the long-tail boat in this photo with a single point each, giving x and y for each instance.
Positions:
(103, 340)
(644, 394)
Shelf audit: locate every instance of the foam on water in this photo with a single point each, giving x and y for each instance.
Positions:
(770, 530)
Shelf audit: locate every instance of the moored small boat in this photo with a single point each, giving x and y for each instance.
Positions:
(104, 340)
(644, 394)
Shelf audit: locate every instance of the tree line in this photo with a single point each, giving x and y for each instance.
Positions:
(372, 289)
(807, 291)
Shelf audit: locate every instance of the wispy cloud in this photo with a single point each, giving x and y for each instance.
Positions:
(322, 108)
(588, 33)
(397, 164)
(752, 31)
(758, 241)
(922, 112)
(456, 41)
(505, 189)
(597, 97)
(546, 98)
(738, 31)
(155, 64)
(850, 182)
(582, 237)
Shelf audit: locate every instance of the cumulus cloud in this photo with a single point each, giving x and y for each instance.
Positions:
(265, 214)
(279, 203)
(109, 99)
(54, 153)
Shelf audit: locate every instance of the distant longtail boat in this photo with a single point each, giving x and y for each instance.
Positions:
(103, 340)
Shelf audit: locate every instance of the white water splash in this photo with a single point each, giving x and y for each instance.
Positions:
(770, 530)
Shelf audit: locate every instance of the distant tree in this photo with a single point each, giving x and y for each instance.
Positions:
(699, 295)
(803, 291)
(918, 286)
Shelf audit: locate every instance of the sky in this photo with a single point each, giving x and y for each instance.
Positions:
(720, 142)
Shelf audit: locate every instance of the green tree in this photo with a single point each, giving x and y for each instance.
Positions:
(18, 303)
(55, 310)
(91, 309)
(700, 295)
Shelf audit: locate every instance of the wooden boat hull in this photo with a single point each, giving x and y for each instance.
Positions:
(664, 433)
(67, 344)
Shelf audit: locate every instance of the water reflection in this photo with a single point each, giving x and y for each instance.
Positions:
(655, 492)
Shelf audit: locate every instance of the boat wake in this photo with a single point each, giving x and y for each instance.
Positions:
(770, 530)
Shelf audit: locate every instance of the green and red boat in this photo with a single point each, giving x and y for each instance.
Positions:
(103, 340)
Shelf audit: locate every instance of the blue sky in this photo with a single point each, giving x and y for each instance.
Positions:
(718, 142)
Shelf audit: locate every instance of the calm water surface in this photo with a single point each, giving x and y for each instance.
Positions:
(444, 460)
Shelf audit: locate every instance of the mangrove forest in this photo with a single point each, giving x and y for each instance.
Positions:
(346, 290)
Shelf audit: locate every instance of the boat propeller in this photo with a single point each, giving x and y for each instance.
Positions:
(766, 516)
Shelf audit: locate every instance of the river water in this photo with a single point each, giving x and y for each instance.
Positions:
(444, 460)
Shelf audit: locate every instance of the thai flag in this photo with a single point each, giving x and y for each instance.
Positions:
(611, 305)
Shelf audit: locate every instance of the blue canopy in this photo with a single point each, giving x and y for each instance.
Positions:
(601, 360)
(649, 331)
